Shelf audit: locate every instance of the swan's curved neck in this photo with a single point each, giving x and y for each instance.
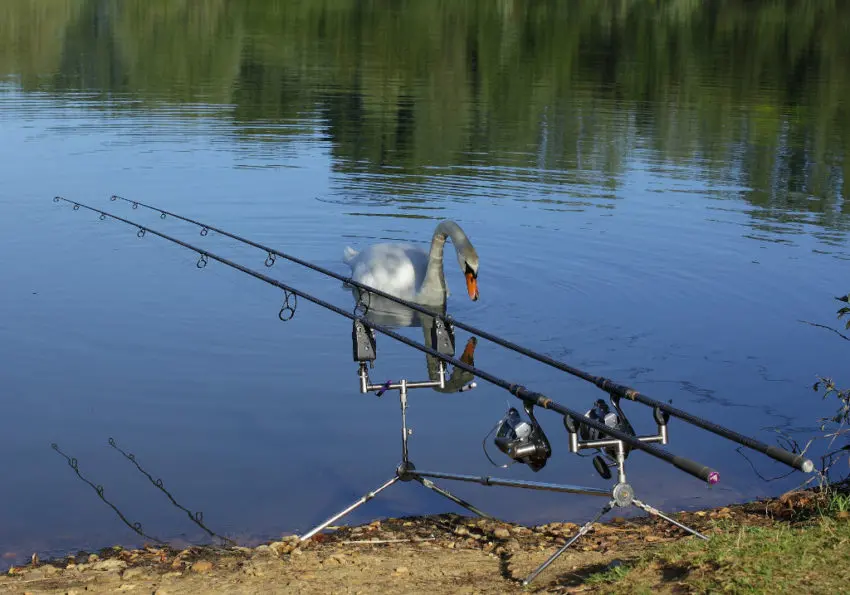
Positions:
(435, 280)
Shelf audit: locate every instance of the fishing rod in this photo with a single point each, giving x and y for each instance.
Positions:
(529, 397)
(777, 453)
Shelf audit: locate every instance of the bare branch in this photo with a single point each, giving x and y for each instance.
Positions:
(829, 328)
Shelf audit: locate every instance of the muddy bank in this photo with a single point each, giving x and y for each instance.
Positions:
(435, 554)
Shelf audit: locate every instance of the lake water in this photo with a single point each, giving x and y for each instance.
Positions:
(658, 194)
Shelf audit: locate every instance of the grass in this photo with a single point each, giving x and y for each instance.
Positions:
(839, 503)
(782, 558)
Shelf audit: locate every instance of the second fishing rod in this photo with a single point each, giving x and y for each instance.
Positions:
(530, 397)
(794, 460)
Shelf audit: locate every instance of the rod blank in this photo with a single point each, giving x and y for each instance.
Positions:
(513, 483)
(779, 454)
(695, 469)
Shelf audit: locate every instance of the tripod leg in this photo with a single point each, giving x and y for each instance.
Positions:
(344, 512)
(657, 512)
(584, 529)
(445, 493)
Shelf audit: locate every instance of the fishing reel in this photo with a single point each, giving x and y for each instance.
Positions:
(523, 441)
(608, 448)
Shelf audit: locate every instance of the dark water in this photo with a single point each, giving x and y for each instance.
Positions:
(657, 192)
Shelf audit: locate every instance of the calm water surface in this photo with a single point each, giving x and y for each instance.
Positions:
(657, 195)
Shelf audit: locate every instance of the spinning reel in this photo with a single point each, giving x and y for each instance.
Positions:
(526, 442)
(616, 420)
(612, 452)
(523, 441)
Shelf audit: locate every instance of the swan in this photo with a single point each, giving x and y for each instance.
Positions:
(408, 272)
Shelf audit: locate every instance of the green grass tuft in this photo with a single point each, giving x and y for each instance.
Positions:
(814, 558)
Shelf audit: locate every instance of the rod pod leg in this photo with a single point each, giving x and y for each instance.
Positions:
(447, 494)
(623, 496)
(583, 530)
(660, 514)
(402, 474)
(368, 496)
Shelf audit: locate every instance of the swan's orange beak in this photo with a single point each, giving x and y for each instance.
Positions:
(472, 286)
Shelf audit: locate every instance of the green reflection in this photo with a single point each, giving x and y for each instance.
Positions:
(32, 37)
(756, 92)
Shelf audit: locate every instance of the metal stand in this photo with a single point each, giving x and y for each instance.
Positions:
(442, 339)
(622, 495)
(407, 472)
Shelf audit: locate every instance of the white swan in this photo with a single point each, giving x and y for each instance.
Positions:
(408, 272)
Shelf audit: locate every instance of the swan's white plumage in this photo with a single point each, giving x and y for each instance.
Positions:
(397, 269)
(409, 272)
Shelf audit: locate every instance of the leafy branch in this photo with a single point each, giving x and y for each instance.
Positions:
(836, 426)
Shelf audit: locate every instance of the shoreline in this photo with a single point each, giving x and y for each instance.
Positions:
(446, 553)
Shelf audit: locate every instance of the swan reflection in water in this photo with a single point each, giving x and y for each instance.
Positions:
(408, 272)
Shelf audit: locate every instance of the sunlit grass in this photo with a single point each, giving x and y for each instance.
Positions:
(812, 558)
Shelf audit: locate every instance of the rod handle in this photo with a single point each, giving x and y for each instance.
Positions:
(706, 473)
(797, 461)
(775, 452)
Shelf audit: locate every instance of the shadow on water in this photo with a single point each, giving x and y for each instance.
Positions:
(99, 490)
(195, 517)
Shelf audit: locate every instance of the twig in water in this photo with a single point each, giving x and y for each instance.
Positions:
(829, 328)
(762, 477)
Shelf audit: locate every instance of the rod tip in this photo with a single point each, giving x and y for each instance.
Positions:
(808, 466)
(713, 478)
